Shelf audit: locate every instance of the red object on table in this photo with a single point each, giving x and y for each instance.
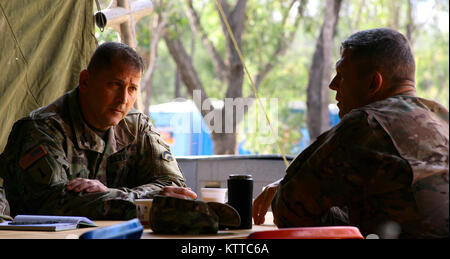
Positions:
(338, 232)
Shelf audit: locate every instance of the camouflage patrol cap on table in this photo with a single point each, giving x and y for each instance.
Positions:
(171, 215)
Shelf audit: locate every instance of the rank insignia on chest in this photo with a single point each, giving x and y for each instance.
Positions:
(31, 157)
(166, 155)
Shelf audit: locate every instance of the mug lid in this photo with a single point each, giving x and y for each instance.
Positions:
(241, 176)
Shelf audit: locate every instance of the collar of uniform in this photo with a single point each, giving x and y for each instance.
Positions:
(84, 136)
(122, 134)
(119, 136)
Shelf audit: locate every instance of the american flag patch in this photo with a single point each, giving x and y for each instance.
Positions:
(34, 155)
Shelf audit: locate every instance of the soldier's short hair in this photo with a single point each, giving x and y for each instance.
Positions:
(383, 49)
(103, 55)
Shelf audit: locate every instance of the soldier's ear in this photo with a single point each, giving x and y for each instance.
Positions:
(83, 80)
(376, 83)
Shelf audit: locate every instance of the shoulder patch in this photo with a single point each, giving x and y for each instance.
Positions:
(167, 156)
(31, 157)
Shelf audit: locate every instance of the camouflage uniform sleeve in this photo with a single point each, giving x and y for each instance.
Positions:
(35, 168)
(343, 166)
(155, 166)
(4, 205)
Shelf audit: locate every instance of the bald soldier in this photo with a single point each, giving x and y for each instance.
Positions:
(384, 167)
(89, 153)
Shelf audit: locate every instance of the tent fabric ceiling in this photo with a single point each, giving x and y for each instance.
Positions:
(44, 45)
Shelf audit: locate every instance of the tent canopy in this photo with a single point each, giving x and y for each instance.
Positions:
(44, 45)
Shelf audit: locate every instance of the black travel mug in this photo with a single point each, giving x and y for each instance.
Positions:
(240, 197)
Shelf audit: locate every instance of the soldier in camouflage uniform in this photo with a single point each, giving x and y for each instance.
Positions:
(88, 153)
(384, 167)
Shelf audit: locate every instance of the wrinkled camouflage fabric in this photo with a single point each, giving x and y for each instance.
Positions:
(4, 205)
(171, 215)
(53, 145)
(384, 163)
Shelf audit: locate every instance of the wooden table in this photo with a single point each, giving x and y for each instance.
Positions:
(148, 234)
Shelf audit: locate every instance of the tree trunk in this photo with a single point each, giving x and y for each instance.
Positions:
(355, 24)
(320, 73)
(188, 73)
(158, 27)
(229, 70)
(224, 140)
(410, 25)
(148, 94)
(394, 21)
(224, 144)
(177, 84)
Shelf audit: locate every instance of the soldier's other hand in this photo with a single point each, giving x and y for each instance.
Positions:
(178, 192)
(87, 185)
(262, 203)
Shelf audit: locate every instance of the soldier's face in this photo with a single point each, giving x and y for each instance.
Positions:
(109, 94)
(350, 84)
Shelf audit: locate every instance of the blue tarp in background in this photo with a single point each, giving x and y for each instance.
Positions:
(182, 127)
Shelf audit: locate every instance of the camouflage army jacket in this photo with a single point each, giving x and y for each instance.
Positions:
(53, 145)
(384, 162)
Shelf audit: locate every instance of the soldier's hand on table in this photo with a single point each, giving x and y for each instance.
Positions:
(87, 185)
(178, 192)
(262, 202)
